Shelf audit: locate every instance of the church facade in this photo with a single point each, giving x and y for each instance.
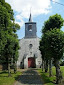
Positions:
(29, 54)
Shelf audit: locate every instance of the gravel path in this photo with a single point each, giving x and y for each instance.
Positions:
(29, 77)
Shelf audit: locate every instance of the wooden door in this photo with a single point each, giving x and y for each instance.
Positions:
(31, 62)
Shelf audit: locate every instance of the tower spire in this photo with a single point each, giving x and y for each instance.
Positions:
(30, 18)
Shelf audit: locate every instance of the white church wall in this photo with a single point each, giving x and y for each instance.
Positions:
(25, 50)
(26, 62)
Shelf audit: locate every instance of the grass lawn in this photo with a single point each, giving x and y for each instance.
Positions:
(49, 80)
(5, 80)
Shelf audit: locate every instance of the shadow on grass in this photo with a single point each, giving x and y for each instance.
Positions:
(46, 79)
(3, 72)
(17, 77)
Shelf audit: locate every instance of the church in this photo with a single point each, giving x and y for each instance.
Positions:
(29, 53)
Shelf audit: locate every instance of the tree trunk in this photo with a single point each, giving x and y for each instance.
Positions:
(46, 65)
(58, 73)
(42, 64)
(9, 71)
(50, 68)
(15, 67)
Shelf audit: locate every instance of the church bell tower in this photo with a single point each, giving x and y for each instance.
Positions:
(30, 29)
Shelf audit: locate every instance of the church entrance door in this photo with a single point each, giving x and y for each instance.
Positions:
(31, 62)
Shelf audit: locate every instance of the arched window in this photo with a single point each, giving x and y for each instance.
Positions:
(30, 46)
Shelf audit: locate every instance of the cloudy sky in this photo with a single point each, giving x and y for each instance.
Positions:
(40, 10)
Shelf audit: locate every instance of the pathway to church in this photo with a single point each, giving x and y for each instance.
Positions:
(29, 77)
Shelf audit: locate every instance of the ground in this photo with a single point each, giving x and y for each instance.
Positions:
(30, 77)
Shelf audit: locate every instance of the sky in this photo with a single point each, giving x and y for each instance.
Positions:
(40, 10)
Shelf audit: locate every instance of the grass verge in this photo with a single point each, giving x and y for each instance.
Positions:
(50, 80)
(5, 80)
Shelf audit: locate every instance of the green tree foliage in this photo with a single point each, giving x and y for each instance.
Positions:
(9, 44)
(54, 42)
(55, 21)
(3, 42)
(53, 39)
(41, 48)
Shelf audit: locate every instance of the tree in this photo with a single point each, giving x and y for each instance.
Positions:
(55, 21)
(3, 42)
(15, 54)
(55, 44)
(44, 56)
(8, 28)
(52, 24)
(3, 17)
(41, 48)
